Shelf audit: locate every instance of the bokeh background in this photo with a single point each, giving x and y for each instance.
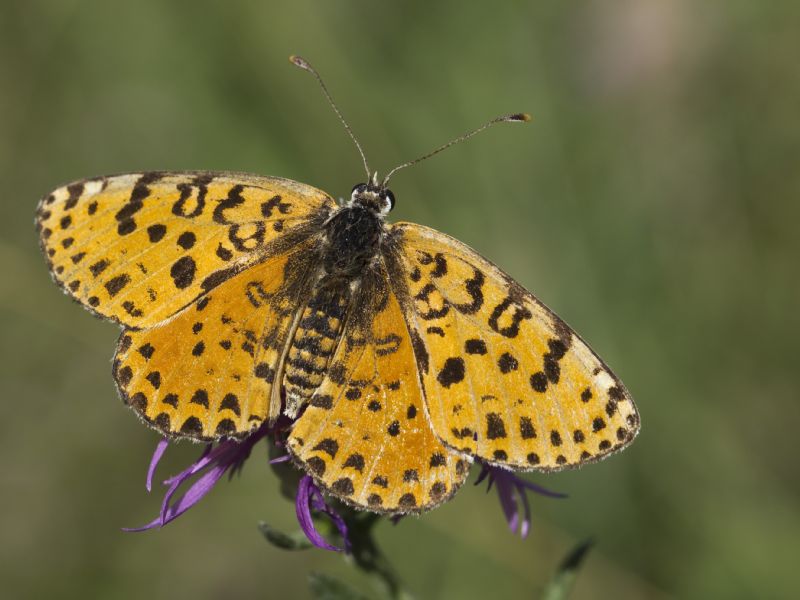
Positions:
(653, 202)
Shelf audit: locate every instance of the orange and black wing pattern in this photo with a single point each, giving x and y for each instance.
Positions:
(205, 271)
(365, 436)
(504, 379)
(137, 248)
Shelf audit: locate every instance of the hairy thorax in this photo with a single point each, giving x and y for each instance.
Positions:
(353, 240)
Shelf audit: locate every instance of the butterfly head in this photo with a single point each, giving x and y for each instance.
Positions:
(375, 198)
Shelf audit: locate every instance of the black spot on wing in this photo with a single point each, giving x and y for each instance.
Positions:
(355, 461)
(186, 240)
(495, 427)
(407, 501)
(192, 426)
(183, 271)
(225, 427)
(329, 446)
(74, 192)
(343, 486)
(438, 460)
(452, 372)
(526, 428)
(475, 346)
(507, 363)
(539, 382)
(114, 286)
(231, 402)
(156, 232)
(99, 267)
(200, 397)
(218, 277)
(316, 465)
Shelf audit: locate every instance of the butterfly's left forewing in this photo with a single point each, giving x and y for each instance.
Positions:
(505, 380)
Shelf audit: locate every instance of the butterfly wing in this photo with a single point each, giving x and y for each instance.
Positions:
(208, 372)
(505, 379)
(364, 435)
(137, 248)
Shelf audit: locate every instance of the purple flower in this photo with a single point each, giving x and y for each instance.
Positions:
(310, 498)
(507, 485)
(214, 462)
(229, 456)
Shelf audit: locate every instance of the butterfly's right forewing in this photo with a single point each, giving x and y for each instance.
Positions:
(505, 380)
(139, 247)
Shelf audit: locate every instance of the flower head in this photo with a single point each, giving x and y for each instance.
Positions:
(229, 456)
(509, 487)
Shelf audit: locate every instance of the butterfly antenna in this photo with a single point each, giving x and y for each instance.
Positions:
(515, 118)
(301, 62)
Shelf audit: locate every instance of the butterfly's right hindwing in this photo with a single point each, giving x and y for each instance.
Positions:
(209, 371)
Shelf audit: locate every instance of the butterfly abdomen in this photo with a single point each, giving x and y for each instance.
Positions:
(313, 345)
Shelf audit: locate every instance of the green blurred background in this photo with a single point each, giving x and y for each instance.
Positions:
(653, 203)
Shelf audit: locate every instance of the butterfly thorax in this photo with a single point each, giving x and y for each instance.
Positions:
(353, 238)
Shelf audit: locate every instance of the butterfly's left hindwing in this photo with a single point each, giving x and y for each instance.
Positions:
(137, 248)
(505, 380)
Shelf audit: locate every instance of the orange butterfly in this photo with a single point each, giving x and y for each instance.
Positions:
(402, 353)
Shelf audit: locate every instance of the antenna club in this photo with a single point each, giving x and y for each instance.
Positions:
(299, 61)
(519, 118)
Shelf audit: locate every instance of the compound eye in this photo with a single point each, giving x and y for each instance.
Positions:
(359, 187)
(390, 197)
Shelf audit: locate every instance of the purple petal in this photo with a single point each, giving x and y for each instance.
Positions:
(305, 495)
(539, 489)
(213, 463)
(509, 486)
(154, 524)
(174, 484)
(280, 459)
(161, 447)
(340, 524)
(526, 521)
(505, 492)
(193, 495)
(485, 471)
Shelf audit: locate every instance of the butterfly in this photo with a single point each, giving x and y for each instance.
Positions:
(400, 354)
